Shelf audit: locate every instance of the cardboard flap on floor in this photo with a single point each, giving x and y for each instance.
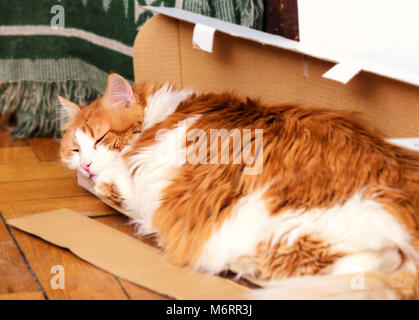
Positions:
(125, 256)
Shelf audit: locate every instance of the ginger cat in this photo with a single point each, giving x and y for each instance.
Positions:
(302, 201)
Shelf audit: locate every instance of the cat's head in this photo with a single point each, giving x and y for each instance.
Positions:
(95, 134)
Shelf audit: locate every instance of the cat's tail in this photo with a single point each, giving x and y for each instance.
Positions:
(402, 284)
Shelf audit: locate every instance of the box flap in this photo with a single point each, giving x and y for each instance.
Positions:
(125, 256)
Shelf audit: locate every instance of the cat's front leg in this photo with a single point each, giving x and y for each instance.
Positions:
(114, 184)
(106, 188)
(108, 191)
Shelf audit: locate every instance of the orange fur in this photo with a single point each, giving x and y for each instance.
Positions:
(306, 256)
(110, 193)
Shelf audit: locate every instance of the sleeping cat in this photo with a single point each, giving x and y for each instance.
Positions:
(304, 201)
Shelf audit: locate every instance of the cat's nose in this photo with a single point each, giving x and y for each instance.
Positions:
(86, 166)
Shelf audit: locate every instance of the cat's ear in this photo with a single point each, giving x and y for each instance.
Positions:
(68, 109)
(119, 90)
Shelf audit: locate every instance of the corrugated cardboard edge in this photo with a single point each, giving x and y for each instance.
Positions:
(125, 256)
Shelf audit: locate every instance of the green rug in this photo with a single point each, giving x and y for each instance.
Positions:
(67, 47)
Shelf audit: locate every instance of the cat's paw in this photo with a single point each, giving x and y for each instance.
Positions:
(109, 192)
(246, 267)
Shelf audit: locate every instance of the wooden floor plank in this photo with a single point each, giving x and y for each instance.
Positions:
(17, 155)
(87, 204)
(41, 189)
(46, 149)
(29, 171)
(15, 275)
(6, 140)
(36, 295)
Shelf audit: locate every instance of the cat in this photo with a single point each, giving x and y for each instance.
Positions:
(324, 201)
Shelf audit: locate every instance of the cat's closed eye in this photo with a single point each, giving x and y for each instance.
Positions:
(75, 150)
(100, 139)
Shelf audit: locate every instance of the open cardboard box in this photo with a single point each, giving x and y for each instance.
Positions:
(211, 55)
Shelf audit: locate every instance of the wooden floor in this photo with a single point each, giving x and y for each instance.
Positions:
(32, 180)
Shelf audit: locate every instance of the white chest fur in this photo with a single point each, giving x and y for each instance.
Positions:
(155, 164)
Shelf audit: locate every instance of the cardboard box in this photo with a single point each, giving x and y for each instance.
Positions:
(277, 70)
(212, 55)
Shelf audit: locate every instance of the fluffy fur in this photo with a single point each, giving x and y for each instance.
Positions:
(328, 198)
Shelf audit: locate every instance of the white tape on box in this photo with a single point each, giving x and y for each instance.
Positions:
(203, 37)
(343, 72)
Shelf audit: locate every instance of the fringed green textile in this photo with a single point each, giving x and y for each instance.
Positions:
(67, 47)
(35, 107)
